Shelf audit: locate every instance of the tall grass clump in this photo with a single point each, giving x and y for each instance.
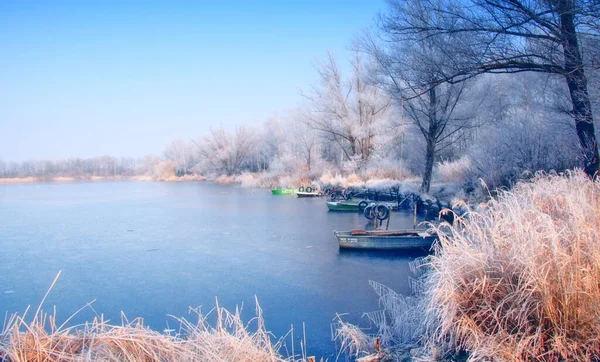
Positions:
(453, 171)
(387, 170)
(398, 324)
(520, 280)
(41, 338)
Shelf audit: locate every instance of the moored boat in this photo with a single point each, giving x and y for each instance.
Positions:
(284, 191)
(354, 205)
(410, 239)
(307, 194)
(347, 205)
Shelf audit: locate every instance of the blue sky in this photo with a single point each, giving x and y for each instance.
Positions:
(82, 78)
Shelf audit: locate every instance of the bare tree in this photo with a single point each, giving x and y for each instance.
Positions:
(306, 145)
(412, 72)
(511, 36)
(181, 154)
(227, 153)
(349, 112)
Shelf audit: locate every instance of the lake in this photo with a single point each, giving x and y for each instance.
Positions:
(155, 249)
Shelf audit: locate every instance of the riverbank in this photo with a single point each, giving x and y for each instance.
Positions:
(517, 281)
(443, 191)
(27, 180)
(448, 191)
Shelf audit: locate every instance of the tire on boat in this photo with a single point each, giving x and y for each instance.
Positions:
(382, 211)
(301, 189)
(370, 212)
(309, 189)
(362, 205)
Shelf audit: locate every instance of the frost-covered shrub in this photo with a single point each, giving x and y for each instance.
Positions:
(399, 323)
(337, 180)
(453, 171)
(524, 131)
(285, 164)
(526, 145)
(519, 280)
(164, 170)
(387, 169)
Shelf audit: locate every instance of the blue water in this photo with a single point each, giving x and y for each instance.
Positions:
(156, 249)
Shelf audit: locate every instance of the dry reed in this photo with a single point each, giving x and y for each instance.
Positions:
(352, 340)
(520, 280)
(453, 171)
(399, 324)
(399, 173)
(42, 339)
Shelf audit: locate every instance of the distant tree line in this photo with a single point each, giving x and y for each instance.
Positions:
(73, 167)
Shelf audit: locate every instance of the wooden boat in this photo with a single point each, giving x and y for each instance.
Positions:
(347, 205)
(284, 191)
(307, 194)
(411, 239)
(352, 205)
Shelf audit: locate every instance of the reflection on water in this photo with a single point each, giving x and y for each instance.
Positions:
(375, 255)
(154, 249)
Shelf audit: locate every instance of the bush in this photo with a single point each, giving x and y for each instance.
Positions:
(453, 171)
(388, 171)
(519, 280)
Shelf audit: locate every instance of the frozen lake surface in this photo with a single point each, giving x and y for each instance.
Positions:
(154, 249)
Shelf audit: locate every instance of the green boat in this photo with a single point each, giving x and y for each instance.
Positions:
(352, 205)
(284, 191)
(346, 205)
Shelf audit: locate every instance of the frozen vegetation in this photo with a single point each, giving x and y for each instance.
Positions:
(41, 337)
(516, 281)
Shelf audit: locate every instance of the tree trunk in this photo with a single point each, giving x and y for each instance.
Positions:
(431, 141)
(577, 83)
(429, 158)
(353, 147)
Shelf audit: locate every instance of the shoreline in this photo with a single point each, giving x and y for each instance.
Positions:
(65, 179)
(444, 192)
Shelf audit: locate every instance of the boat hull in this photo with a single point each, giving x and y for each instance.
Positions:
(352, 206)
(284, 191)
(342, 206)
(399, 240)
(308, 194)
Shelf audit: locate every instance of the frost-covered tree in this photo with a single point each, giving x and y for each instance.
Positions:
(412, 72)
(274, 139)
(306, 145)
(349, 111)
(514, 36)
(295, 147)
(181, 153)
(225, 152)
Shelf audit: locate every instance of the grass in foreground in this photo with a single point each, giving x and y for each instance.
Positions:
(42, 339)
(520, 280)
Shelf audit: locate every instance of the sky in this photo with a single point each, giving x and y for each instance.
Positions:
(124, 78)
